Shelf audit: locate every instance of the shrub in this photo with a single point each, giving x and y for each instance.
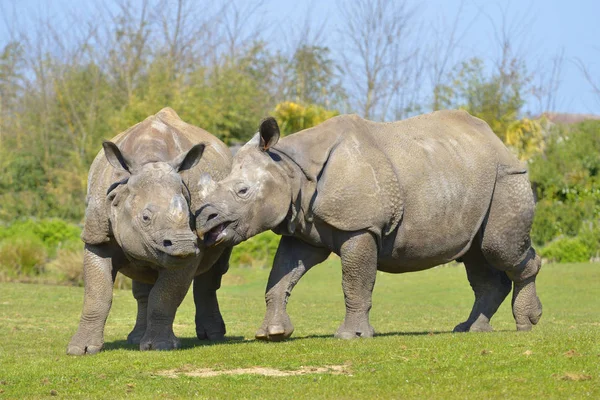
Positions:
(566, 250)
(67, 267)
(554, 218)
(22, 255)
(52, 232)
(590, 236)
(257, 251)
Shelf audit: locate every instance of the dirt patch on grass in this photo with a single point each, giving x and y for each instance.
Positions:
(571, 353)
(208, 372)
(571, 376)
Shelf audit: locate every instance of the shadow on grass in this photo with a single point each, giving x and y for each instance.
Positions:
(184, 344)
(192, 342)
(383, 334)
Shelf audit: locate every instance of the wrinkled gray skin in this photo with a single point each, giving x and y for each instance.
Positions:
(138, 223)
(395, 197)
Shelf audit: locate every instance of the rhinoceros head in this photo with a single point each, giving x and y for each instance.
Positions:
(253, 198)
(149, 211)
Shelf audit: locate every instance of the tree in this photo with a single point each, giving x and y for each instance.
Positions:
(313, 78)
(590, 77)
(293, 117)
(11, 64)
(496, 98)
(379, 62)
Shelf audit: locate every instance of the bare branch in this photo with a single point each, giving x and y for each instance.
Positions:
(380, 45)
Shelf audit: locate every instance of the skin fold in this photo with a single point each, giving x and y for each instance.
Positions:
(396, 197)
(138, 222)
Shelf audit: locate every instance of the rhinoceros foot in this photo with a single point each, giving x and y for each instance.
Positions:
(480, 325)
(81, 345)
(527, 308)
(275, 330)
(212, 329)
(136, 335)
(354, 331)
(159, 342)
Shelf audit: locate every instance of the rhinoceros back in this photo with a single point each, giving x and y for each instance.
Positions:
(447, 164)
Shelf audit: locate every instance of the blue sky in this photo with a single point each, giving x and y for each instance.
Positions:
(552, 25)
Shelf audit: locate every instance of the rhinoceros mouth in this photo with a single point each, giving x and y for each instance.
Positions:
(217, 234)
(169, 261)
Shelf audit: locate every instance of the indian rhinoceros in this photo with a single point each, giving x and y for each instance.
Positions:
(138, 222)
(395, 197)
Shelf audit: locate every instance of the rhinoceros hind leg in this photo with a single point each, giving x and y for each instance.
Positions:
(490, 286)
(507, 246)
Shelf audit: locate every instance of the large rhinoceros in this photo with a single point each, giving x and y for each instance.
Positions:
(137, 222)
(395, 197)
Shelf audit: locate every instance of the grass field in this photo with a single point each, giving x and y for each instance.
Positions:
(413, 356)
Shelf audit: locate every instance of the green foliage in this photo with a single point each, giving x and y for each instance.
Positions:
(293, 117)
(51, 232)
(566, 250)
(569, 169)
(26, 246)
(555, 218)
(257, 251)
(55, 111)
(67, 267)
(525, 137)
(22, 255)
(495, 98)
(567, 180)
(589, 234)
(313, 77)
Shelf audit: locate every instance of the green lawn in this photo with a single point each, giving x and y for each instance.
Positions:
(413, 356)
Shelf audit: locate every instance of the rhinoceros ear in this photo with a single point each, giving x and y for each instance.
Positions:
(269, 133)
(115, 157)
(188, 160)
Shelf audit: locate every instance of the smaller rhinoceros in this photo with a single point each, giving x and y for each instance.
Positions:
(138, 222)
(395, 197)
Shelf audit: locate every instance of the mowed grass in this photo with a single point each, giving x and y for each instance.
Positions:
(415, 355)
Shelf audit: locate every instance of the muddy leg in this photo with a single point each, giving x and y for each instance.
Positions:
(359, 269)
(490, 287)
(294, 257)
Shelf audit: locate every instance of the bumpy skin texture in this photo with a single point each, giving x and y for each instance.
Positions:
(396, 197)
(138, 222)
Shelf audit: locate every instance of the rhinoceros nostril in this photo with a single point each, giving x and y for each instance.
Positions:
(167, 243)
(211, 216)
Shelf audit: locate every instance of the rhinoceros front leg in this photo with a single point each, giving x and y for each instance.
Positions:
(165, 297)
(209, 322)
(140, 291)
(293, 258)
(98, 276)
(359, 269)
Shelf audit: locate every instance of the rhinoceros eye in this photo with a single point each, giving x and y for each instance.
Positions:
(146, 216)
(242, 190)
